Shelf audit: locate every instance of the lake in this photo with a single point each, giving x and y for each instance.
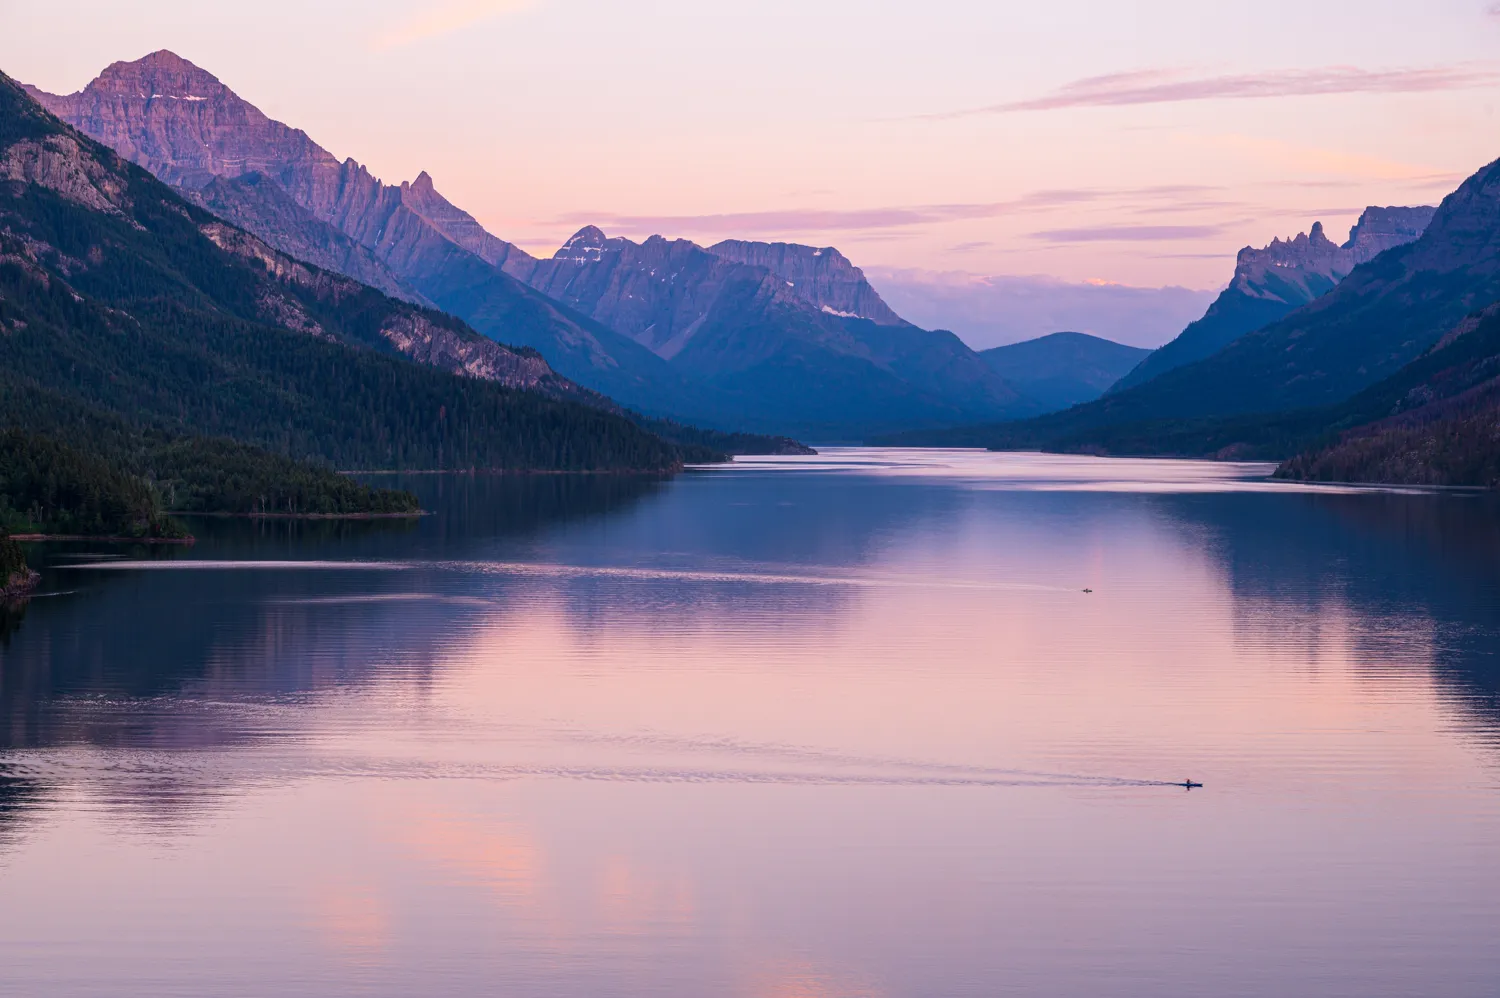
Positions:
(874, 723)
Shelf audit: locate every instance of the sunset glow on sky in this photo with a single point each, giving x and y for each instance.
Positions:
(1140, 143)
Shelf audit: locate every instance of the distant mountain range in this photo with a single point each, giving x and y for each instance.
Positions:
(1269, 283)
(1389, 375)
(771, 337)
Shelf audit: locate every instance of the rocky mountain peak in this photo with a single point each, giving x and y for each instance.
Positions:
(162, 75)
(1301, 268)
(820, 275)
(587, 245)
(1379, 229)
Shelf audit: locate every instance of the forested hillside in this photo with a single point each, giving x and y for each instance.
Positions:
(118, 298)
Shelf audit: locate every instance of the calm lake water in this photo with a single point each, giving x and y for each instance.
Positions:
(799, 728)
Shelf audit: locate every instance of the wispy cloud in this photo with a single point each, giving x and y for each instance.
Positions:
(1165, 86)
(1128, 233)
(803, 220)
(433, 20)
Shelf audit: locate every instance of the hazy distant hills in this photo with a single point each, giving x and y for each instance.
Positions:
(995, 310)
(1063, 369)
(1269, 283)
(126, 310)
(763, 336)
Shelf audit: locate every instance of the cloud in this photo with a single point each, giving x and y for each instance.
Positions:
(802, 220)
(1165, 86)
(434, 20)
(1128, 233)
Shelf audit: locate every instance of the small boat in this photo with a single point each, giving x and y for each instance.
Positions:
(1088, 590)
(1187, 784)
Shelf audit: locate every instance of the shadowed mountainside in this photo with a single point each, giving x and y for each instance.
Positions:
(1062, 369)
(1271, 282)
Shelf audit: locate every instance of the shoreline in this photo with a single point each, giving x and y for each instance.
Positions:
(185, 541)
(312, 516)
(514, 471)
(14, 591)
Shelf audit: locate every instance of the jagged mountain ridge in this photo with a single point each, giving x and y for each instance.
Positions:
(1271, 282)
(126, 309)
(181, 123)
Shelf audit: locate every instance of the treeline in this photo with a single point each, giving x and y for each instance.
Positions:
(175, 369)
(199, 475)
(704, 445)
(49, 487)
(119, 486)
(1455, 444)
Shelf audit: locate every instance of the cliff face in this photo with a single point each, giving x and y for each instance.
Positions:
(822, 276)
(254, 202)
(182, 124)
(1272, 281)
(661, 293)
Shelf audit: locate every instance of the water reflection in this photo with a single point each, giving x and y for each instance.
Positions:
(851, 729)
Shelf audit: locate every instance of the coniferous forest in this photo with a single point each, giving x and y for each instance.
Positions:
(144, 369)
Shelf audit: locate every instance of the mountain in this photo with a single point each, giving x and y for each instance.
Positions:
(1379, 318)
(186, 127)
(773, 337)
(774, 358)
(1062, 369)
(252, 201)
(1269, 283)
(820, 276)
(128, 310)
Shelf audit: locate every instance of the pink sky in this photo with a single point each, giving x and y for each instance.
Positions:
(1140, 143)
